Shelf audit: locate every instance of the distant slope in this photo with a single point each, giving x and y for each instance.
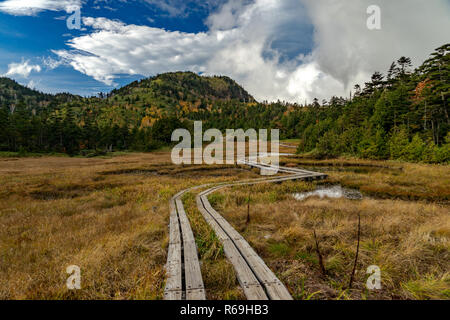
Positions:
(169, 89)
(11, 93)
(139, 104)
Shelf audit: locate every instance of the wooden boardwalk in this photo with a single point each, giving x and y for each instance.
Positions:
(184, 280)
(256, 279)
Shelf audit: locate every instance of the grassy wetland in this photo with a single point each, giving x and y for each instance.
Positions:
(110, 217)
(405, 229)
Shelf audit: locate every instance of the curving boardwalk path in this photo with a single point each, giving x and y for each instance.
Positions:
(184, 281)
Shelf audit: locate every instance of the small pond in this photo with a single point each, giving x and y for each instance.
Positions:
(334, 192)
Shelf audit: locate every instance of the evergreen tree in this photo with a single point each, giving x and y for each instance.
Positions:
(4, 129)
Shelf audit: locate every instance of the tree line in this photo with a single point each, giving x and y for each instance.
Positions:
(402, 114)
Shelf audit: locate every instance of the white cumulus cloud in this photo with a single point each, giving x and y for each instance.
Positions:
(291, 50)
(116, 48)
(23, 69)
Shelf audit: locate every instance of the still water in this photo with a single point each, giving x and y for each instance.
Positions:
(334, 192)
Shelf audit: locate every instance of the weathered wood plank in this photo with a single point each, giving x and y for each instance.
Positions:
(174, 230)
(173, 288)
(173, 295)
(186, 230)
(192, 271)
(254, 292)
(243, 272)
(221, 235)
(174, 268)
(195, 294)
(242, 255)
(277, 291)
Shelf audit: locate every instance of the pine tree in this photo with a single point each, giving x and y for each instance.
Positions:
(70, 134)
(436, 70)
(4, 129)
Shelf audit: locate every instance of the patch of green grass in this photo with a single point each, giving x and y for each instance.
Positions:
(279, 249)
(216, 199)
(429, 287)
(335, 264)
(275, 196)
(307, 257)
(301, 293)
(209, 246)
(165, 193)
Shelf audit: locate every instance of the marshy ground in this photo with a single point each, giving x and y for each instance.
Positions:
(405, 230)
(110, 217)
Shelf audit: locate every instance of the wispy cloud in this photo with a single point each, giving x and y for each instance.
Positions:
(22, 69)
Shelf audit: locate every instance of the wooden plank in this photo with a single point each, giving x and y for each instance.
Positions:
(269, 167)
(250, 284)
(246, 260)
(174, 268)
(195, 294)
(173, 295)
(225, 225)
(192, 271)
(274, 287)
(186, 230)
(173, 288)
(174, 230)
(254, 292)
(280, 168)
(174, 227)
(243, 272)
(277, 291)
(221, 235)
(259, 267)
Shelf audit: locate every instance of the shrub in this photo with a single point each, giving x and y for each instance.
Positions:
(326, 147)
(414, 150)
(398, 143)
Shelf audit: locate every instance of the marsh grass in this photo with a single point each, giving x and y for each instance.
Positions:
(108, 216)
(388, 179)
(407, 239)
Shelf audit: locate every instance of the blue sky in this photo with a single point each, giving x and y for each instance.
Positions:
(33, 37)
(291, 50)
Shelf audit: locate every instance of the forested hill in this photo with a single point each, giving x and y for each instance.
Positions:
(12, 93)
(169, 89)
(137, 116)
(402, 114)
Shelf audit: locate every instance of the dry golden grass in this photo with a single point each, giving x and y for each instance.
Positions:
(108, 216)
(408, 240)
(388, 179)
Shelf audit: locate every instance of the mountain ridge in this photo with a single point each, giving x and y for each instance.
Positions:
(162, 90)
